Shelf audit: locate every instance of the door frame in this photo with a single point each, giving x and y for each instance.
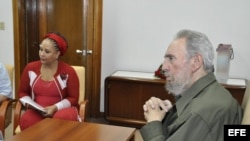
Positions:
(94, 40)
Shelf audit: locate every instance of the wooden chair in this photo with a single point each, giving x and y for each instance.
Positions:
(80, 70)
(6, 106)
(246, 105)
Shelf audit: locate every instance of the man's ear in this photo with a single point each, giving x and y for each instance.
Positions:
(197, 62)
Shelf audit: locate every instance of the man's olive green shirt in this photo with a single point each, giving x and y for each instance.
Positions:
(199, 115)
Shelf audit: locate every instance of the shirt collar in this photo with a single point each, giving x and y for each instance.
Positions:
(194, 91)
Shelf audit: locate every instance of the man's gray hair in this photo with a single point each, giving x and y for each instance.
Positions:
(198, 43)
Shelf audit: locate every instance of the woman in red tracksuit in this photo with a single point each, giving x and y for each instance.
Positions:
(50, 83)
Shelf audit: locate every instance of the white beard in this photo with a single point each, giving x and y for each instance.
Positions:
(178, 83)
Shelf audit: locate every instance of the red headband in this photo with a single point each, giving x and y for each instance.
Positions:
(60, 42)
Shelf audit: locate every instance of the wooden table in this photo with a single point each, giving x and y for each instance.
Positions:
(62, 130)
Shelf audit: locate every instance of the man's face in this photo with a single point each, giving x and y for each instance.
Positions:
(177, 68)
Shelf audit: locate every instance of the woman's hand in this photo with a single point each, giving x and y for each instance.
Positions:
(49, 111)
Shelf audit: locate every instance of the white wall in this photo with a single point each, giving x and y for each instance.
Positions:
(136, 33)
(6, 36)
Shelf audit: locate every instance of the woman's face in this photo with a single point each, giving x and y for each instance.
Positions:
(48, 53)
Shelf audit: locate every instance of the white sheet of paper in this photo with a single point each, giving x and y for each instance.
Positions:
(237, 82)
(32, 103)
(134, 74)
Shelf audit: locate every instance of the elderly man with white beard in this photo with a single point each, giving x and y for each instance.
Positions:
(202, 106)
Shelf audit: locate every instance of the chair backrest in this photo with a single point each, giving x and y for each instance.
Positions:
(10, 69)
(80, 71)
(8, 114)
(246, 105)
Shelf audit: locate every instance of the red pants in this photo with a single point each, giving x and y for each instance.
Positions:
(30, 117)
